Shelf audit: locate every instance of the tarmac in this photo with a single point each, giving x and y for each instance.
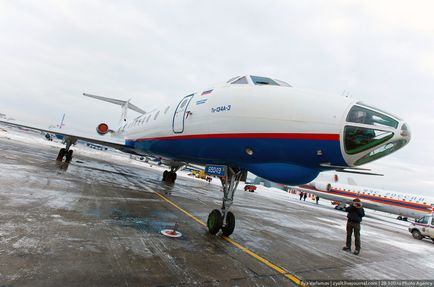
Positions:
(97, 222)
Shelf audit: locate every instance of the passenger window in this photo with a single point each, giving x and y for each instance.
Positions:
(365, 116)
(167, 109)
(242, 80)
(359, 139)
(149, 117)
(156, 115)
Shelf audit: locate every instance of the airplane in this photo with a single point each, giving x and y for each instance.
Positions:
(402, 204)
(258, 124)
(50, 136)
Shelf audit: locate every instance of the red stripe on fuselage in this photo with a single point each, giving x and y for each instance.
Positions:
(298, 136)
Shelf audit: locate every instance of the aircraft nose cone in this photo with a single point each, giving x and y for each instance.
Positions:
(405, 131)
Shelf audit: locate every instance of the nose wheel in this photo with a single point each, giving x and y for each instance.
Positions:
(223, 219)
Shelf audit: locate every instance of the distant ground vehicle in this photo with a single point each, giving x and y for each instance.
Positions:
(250, 188)
(423, 227)
(199, 174)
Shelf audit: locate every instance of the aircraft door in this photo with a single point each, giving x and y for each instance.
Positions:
(181, 114)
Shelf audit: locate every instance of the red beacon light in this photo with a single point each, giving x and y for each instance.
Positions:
(102, 129)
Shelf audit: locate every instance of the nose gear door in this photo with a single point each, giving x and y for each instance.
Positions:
(180, 114)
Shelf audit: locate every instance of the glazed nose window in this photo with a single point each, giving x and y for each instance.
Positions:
(358, 139)
(365, 116)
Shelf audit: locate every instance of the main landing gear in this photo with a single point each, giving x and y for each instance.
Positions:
(224, 219)
(66, 152)
(170, 176)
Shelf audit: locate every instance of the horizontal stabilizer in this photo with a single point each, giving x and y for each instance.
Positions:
(122, 103)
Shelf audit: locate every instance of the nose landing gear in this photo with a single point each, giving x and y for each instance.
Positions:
(223, 219)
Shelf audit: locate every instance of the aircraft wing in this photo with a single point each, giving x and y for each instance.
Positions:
(116, 143)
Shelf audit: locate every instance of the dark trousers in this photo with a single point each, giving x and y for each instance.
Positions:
(352, 226)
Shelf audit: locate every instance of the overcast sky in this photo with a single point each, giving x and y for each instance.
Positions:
(155, 52)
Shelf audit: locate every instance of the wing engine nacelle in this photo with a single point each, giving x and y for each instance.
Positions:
(323, 186)
(102, 129)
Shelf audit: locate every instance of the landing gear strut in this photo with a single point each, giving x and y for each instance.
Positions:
(170, 176)
(224, 219)
(66, 152)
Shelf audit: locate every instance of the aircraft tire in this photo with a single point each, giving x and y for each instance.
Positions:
(214, 222)
(416, 234)
(165, 175)
(61, 154)
(399, 217)
(69, 155)
(228, 229)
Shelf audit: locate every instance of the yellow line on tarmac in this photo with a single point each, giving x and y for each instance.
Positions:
(180, 208)
(280, 270)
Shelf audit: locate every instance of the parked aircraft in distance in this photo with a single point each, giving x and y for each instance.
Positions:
(402, 204)
(257, 124)
(50, 135)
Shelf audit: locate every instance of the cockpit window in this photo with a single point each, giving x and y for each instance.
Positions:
(242, 80)
(231, 79)
(263, 81)
(282, 83)
(357, 139)
(365, 116)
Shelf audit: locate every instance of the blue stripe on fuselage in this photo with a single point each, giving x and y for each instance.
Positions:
(232, 151)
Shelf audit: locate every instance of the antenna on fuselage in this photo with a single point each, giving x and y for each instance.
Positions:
(346, 94)
(125, 105)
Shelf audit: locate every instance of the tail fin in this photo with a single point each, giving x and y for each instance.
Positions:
(124, 104)
(61, 121)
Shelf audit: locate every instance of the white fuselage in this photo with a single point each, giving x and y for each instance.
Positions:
(280, 133)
